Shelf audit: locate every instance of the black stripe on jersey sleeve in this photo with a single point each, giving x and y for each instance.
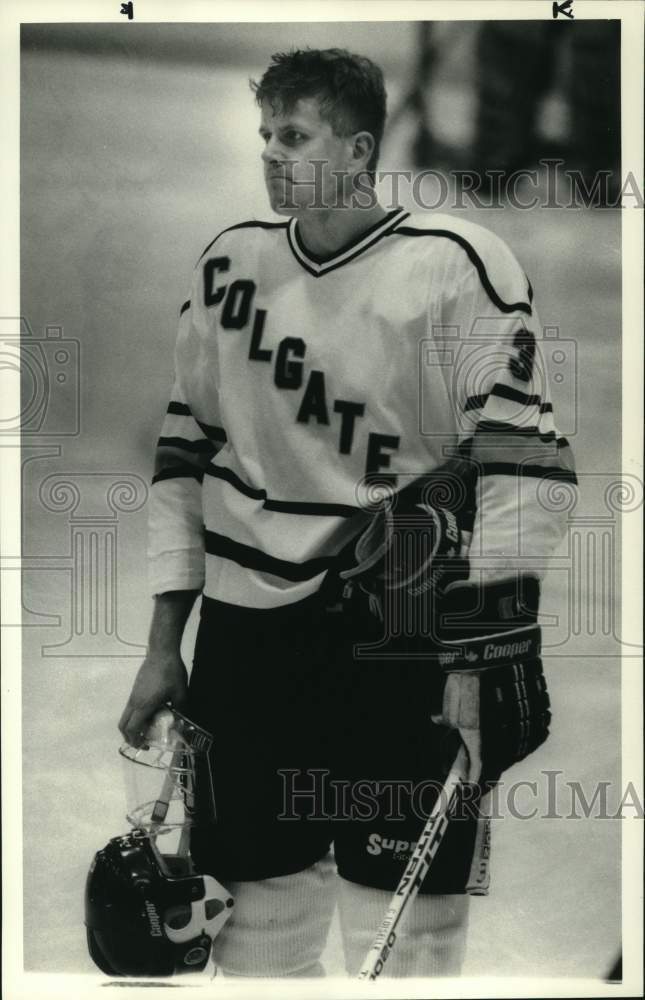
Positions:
(211, 431)
(179, 409)
(230, 477)
(280, 506)
(185, 307)
(479, 402)
(502, 391)
(197, 447)
(180, 471)
(314, 509)
(252, 224)
(498, 427)
(252, 558)
(561, 475)
(475, 259)
(476, 402)
(516, 395)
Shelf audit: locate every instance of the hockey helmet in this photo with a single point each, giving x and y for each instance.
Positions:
(148, 914)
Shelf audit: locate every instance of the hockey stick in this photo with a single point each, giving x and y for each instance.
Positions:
(416, 870)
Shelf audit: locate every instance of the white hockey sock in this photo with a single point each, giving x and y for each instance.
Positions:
(279, 925)
(432, 941)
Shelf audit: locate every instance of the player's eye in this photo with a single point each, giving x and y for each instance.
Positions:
(292, 137)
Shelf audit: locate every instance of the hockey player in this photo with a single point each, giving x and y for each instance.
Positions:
(319, 355)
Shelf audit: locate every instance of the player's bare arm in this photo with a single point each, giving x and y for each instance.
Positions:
(183, 451)
(162, 677)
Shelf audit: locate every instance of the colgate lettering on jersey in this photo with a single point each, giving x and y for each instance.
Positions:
(212, 296)
(288, 373)
(236, 302)
(257, 353)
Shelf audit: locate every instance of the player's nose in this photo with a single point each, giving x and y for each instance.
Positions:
(272, 152)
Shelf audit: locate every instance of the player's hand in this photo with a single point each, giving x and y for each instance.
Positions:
(159, 681)
(501, 712)
(495, 693)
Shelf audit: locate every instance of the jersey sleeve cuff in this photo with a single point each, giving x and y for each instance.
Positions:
(176, 571)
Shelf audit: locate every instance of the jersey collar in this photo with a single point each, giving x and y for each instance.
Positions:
(322, 265)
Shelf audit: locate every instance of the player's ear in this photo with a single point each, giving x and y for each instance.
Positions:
(362, 148)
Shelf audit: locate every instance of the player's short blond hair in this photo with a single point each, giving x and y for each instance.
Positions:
(349, 88)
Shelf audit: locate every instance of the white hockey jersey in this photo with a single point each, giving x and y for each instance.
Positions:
(300, 381)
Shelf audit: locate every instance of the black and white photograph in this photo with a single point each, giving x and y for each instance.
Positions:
(321, 442)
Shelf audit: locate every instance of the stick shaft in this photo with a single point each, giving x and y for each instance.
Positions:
(415, 872)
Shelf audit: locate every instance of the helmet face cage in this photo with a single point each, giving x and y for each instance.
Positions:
(150, 915)
(168, 779)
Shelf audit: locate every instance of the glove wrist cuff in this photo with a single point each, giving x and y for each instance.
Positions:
(494, 650)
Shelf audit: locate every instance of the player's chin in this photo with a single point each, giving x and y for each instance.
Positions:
(282, 208)
(279, 197)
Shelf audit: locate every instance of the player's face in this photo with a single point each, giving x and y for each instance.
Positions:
(300, 154)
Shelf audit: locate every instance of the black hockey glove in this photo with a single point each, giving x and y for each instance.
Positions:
(415, 544)
(495, 692)
(485, 640)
